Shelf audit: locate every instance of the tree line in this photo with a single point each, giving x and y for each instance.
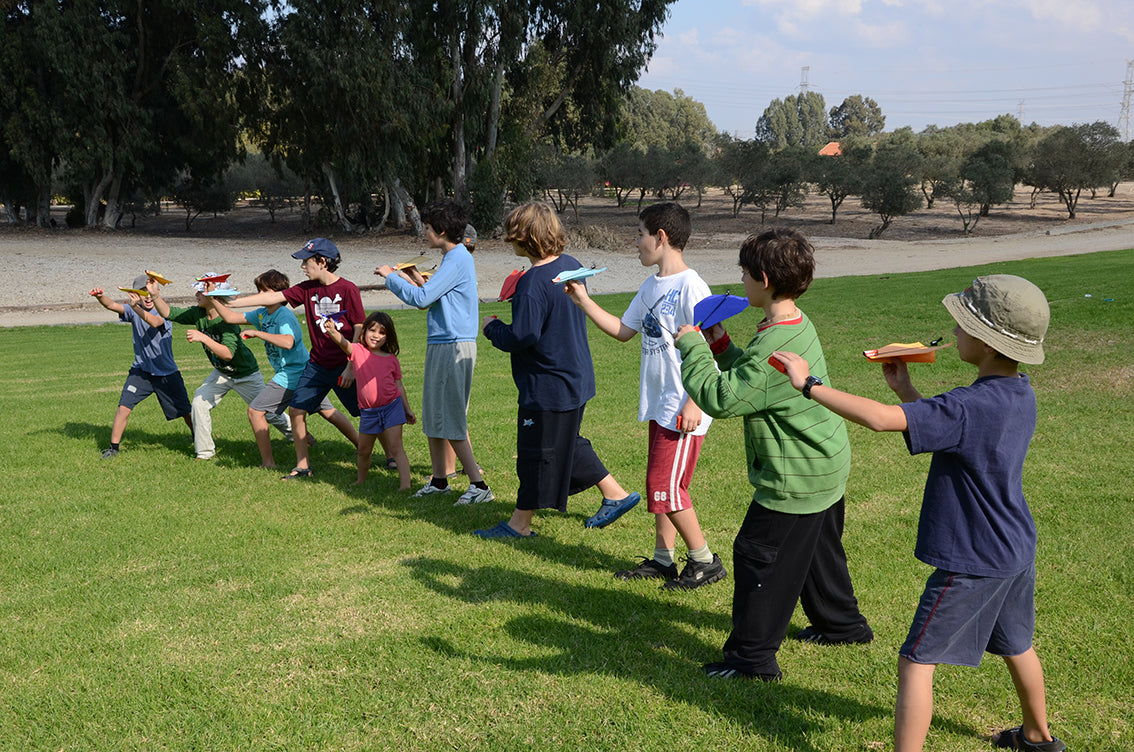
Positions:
(113, 104)
(358, 110)
(970, 166)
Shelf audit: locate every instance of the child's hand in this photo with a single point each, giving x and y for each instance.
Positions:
(897, 375)
(134, 298)
(96, 293)
(685, 329)
(413, 275)
(250, 334)
(485, 320)
(714, 333)
(194, 335)
(411, 418)
(577, 291)
(795, 367)
(385, 270)
(689, 418)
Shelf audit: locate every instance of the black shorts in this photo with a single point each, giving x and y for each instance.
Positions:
(552, 460)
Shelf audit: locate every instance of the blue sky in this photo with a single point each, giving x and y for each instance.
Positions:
(924, 61)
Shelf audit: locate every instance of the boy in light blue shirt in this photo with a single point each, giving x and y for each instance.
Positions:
(450, 296)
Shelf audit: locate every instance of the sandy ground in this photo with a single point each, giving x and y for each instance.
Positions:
(51, 272)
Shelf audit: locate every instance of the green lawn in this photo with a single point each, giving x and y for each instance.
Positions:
(157, 602)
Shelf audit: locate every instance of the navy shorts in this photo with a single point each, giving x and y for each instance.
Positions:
(170, 391)
(961, 617)
(375, 420)
(313, 386)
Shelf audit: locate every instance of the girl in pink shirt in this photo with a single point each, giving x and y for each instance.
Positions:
(381, 396)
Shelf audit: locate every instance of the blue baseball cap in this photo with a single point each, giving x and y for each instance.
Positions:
(317, 247)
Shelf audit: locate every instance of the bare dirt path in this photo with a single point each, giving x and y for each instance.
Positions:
(49, 273)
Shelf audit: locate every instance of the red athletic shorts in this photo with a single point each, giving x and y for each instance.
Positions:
(671, 460)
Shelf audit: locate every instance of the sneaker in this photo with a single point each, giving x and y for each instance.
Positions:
(1013, 738)
(474, 496)
(814, 636)
(727, 671)
(430, 490)
(109, 453)
(696, 574)
(649, 569)
(611, 510)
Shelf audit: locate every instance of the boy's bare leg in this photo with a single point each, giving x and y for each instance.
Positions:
(521, 521)
(262, 432)
(684, 522)
(437, 449)
(914, 710)
(121, 415)
(365, 449)
(611, 489)
(339, 421)
(299, 438)
(464, 452)
(450, 460)
(1027, 675)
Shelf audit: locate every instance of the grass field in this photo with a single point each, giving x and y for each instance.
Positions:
(155, 602)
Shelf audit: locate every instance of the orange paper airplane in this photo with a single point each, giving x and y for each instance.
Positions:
(910, 352)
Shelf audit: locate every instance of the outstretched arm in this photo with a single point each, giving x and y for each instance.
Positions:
(111, 305)
(604, 320)
(862, 410)
(227, 314)
(271, 297)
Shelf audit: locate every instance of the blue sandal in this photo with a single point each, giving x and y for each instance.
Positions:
(611, 510)
(503, 530)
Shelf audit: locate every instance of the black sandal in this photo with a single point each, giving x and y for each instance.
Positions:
(391, 463)
(297, 472)
(1013, 738)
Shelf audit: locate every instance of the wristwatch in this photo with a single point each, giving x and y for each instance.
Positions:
(808, 383)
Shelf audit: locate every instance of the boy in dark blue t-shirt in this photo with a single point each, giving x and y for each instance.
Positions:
(975, 525)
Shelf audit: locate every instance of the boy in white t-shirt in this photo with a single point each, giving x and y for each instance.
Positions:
(677, 426)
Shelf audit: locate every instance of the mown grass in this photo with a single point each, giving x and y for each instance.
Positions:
(156, 602)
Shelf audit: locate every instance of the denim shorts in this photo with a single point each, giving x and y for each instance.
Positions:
(316, 381)
(375, 420)
(170, 391)
(961, 617)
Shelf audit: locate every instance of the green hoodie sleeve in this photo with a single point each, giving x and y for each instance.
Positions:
(733, 384)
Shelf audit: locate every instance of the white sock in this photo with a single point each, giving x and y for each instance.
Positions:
(664, 556)
(701, 555)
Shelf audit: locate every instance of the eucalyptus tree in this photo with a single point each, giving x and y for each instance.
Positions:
(794, 121)
(856, 117)
(111, 94)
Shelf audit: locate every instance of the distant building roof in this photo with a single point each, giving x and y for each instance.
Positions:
(831, 150)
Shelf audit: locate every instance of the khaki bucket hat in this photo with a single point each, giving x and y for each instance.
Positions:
(1006, 312)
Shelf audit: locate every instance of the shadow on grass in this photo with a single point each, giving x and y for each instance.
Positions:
(176, 439)
(651, 644)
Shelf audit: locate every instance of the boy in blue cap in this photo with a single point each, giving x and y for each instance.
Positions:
(975, 525)
(323, 294)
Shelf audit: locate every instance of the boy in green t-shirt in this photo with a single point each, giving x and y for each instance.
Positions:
(789, 546)
(234, 365)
